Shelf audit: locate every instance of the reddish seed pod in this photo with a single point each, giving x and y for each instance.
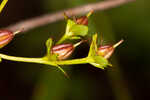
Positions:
(82, 20)
(107, 50)
(5, 37)
(63, 51)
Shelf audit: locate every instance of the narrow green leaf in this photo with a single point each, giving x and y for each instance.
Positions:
(63, 71)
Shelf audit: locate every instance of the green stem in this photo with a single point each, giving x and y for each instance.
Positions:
(74, 61)
(2, 5)
(24, 59)
(45, 61)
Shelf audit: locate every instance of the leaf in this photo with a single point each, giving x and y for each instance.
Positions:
(0, 60)
(93, 47)
(49, 43)
(80, 30)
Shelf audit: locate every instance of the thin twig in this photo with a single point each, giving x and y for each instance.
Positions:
(53, 17)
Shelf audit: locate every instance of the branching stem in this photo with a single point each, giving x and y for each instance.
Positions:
(45, 61)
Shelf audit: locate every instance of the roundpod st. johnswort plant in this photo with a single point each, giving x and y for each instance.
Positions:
(57, 53)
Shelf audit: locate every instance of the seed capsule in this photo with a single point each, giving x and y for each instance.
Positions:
(5, 37)
(63, 51)
(82, 20)
(107, 50)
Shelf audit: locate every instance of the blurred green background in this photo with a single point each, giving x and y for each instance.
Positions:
(129, 79)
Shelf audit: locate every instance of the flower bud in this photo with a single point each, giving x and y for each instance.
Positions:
(63, 51)
(82, 20)
(107, 50)
(5, 37)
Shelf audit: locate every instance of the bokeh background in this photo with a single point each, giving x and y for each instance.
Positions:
(129, 79)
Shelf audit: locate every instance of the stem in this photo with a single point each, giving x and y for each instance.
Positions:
(24, 59)
(74, 61)
(2, 5)
(45, 61)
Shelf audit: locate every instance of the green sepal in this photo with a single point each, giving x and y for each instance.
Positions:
(79, 30)
(73, 31)
(49, 43)
(70, 23)
(99, 62)
(75, 38)
(50, 56)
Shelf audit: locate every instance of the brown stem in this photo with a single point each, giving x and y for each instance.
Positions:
(53, 17)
